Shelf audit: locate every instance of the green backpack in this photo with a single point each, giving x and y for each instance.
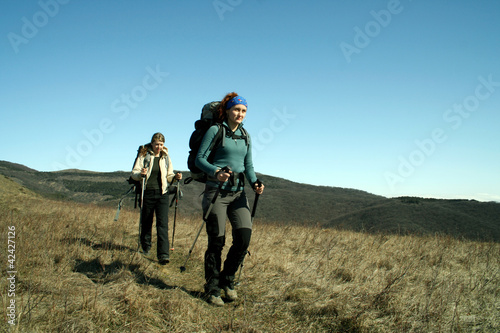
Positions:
(207, 119)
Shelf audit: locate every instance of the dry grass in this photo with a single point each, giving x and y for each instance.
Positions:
(78, 271)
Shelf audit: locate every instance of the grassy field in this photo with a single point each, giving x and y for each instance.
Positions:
(77, 270)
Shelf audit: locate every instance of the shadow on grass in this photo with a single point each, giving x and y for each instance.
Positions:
(98, 246)
(100, 273)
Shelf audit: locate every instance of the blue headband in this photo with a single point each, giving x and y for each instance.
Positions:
(235, 101)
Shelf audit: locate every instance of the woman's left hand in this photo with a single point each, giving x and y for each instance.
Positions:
(178, 176)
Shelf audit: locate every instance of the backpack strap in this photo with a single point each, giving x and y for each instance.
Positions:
(244, 134)
(218, 138)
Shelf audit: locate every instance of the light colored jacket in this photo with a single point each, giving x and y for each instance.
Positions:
(166, 168)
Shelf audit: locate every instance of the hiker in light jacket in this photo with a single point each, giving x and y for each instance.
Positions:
(153, 163)
(232, 201)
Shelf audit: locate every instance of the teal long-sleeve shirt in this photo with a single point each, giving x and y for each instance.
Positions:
(235, 154)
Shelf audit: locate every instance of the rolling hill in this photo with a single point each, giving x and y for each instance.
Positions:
(288, 202)
(72, 268)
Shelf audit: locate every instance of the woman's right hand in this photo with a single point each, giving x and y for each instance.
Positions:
(258, 187)
(144, 172)
(223, 176)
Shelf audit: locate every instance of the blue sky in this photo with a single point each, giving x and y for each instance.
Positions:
(390, 97)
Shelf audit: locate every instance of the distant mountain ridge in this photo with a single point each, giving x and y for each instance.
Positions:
(287, 202)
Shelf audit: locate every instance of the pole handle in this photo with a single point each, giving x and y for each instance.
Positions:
(257, 195)
(226, 169)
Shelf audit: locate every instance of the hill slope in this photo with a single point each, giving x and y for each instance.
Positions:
(74, 269)
(288, 202)
(464, 218)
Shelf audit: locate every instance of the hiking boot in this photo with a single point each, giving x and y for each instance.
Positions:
(164, 260)
(231, 294)
(215, 300)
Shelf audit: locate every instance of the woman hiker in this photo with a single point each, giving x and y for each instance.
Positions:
(236, 154)
(153, 163)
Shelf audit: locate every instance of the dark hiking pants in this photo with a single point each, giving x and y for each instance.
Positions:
(233, 205)
(155, 204)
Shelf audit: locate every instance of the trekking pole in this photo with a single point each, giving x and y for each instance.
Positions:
(254, 208)
(143, 183)
(205, 217)
(257, 195)
(120, 203)
(147, 160)
(175, 212)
